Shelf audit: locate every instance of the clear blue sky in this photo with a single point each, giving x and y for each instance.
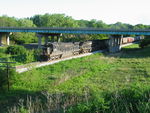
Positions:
(109, 11)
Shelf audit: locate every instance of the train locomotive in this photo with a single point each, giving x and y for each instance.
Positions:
(57, 50)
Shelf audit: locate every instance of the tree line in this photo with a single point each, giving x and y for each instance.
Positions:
(60, 20)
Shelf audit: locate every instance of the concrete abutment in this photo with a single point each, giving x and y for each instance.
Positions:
(4, 38)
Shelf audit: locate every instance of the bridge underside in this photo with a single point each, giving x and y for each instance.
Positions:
(46, 37)
(114, 42)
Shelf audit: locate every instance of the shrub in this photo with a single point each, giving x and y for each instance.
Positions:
(27, 57)
(3, 80)
(2, 49)
(22, 55)
(37, 54)
(2, 52)
(145, 42)
(16, 50)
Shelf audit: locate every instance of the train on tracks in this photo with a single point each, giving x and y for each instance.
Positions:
(131, 39)
(57, 50)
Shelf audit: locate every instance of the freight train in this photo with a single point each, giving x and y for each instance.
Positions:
(131, 39)
(57, 50)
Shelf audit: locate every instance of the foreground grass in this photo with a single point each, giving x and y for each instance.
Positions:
(104, 83)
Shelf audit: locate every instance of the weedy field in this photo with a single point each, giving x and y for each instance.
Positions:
(100, 83)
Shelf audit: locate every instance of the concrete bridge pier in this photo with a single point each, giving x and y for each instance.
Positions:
(39, 41)
(56, 37)
(115, 43)
(53, 38)
(46, 38)
(4, 38)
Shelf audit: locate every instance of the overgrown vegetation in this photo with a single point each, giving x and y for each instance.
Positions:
(15, 50)
(4, 79)
(109, 83)
(145, 42)
(19, 54)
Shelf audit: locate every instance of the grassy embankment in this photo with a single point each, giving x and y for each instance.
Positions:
(102, 83)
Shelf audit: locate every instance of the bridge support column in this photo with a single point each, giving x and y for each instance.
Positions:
(52, 38)
(46, 37)
(4, 39)
(7, 40)
(58, 38)
(39, 42)
(115, 44)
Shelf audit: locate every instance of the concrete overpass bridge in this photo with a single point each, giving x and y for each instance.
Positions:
(114, 43)
(75, 31)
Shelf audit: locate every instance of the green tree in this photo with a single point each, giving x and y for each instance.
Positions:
(37, 20)
(26, 23)
(6, 21)
(83, 23)
(21, 38)
(120, 25)
(54, 20)
(140, 26)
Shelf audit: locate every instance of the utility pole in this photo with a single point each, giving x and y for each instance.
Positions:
(8, 67)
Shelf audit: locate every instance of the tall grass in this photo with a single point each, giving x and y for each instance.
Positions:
(130, 100)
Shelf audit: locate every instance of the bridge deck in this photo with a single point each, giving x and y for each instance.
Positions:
(75, 30)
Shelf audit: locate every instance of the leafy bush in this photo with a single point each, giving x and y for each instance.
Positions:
(145, 42)
(27, 57)
(16, 50)
(2, 49)
(2, 52)
(22, 55)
